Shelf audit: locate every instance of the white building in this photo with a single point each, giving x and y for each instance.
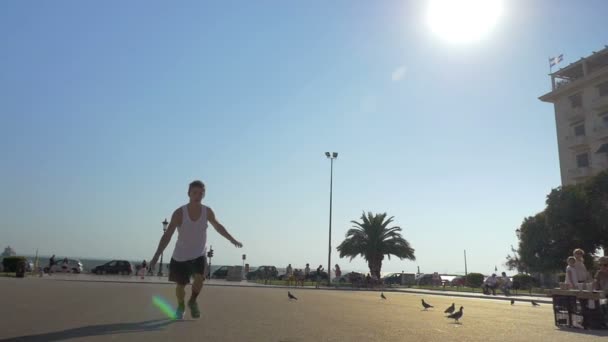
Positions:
(580, 96)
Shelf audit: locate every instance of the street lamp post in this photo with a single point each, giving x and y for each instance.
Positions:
(160, 268)
(331, 157)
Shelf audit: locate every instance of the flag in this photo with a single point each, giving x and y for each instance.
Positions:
(553, 61)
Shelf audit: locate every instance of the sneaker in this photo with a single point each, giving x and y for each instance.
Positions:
(194, 311)
(179, 313)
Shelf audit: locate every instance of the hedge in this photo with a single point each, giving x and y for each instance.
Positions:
(10, 263)
(474, 279)
(524, 282)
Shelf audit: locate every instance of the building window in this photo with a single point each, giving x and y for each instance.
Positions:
(603, 89)
(579, 130)
(582, 160)
(576, 100)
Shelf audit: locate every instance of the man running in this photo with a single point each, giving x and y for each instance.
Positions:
(189, 256)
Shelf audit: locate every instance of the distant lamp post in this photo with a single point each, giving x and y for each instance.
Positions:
(160, 268)
(331, 157)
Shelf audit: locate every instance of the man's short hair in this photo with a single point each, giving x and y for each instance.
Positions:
(196, 184)
(577, 251)
(603, 260)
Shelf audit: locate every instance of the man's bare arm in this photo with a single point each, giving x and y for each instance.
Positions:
(176, 220)
(221, 229)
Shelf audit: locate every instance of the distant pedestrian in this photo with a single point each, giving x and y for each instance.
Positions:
(571, 275)
(491, 283)
(338, 272)
(368, 280)
(288, 274)
(297, 276)
(319, 271)
(402, 278)
(307, 272)
(506, 284)
(142, 270)
(51, 264)
(581, 271)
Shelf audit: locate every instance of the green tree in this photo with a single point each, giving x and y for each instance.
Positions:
(372, 239)
(570, 221)
(514, 262)
(597, 192)
(576, 216)
(536, 245)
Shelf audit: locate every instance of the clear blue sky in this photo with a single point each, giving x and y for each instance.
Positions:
(109, 110)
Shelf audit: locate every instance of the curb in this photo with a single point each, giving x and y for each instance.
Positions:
(547, 300)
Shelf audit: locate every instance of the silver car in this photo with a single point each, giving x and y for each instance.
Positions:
(72, 266)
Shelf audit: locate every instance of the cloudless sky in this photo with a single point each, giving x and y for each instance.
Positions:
(108, 110)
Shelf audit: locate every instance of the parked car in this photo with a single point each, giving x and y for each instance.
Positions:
(458, 281)
(259, 273)
(424, 279)
(352, 277)
(313, 275)
(114, 267)
(220, 273)
(73, 266)
(395, 279)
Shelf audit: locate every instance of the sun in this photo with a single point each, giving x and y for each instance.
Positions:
(463, 21)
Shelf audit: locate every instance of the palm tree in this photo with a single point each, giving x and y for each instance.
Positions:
(373, 239)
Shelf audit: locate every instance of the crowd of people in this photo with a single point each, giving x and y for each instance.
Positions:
(492, 283)
(299, 276)
(577, 275)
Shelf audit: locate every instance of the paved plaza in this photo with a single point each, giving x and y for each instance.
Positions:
(41, 309)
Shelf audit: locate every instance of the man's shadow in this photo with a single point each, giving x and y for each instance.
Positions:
(96, 330)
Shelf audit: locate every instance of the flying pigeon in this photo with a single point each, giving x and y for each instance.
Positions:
(382, 295)
(535, 303)
(450, 309)
(290, 296)
(456, 315)
(512, 301)
(426, 305)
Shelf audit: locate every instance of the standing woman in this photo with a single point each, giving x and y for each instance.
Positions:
(581, 271)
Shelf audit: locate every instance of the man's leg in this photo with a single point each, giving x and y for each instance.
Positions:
(197, 286)
(180, 293)
(198, 271)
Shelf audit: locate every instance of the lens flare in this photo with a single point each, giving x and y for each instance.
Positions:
(164, 306)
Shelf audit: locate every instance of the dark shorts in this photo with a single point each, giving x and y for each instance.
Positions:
(181, 271)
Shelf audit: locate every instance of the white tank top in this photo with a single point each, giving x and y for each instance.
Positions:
(191, 236)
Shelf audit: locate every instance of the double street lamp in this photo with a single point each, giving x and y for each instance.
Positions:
(331, 157)
(160, 267)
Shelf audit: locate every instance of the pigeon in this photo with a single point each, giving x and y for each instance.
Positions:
(450, 310)
(290, 296)
(535, 303)
(512, 301)
(382, 295)
(456, 315)
(426, 305)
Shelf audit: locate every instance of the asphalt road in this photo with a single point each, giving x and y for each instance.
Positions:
(39, 309)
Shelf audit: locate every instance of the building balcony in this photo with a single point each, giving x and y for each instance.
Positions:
(601, 131)
(576, 140)
(580, 172)
(601, 165)
(600, 102)
(576, 114)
